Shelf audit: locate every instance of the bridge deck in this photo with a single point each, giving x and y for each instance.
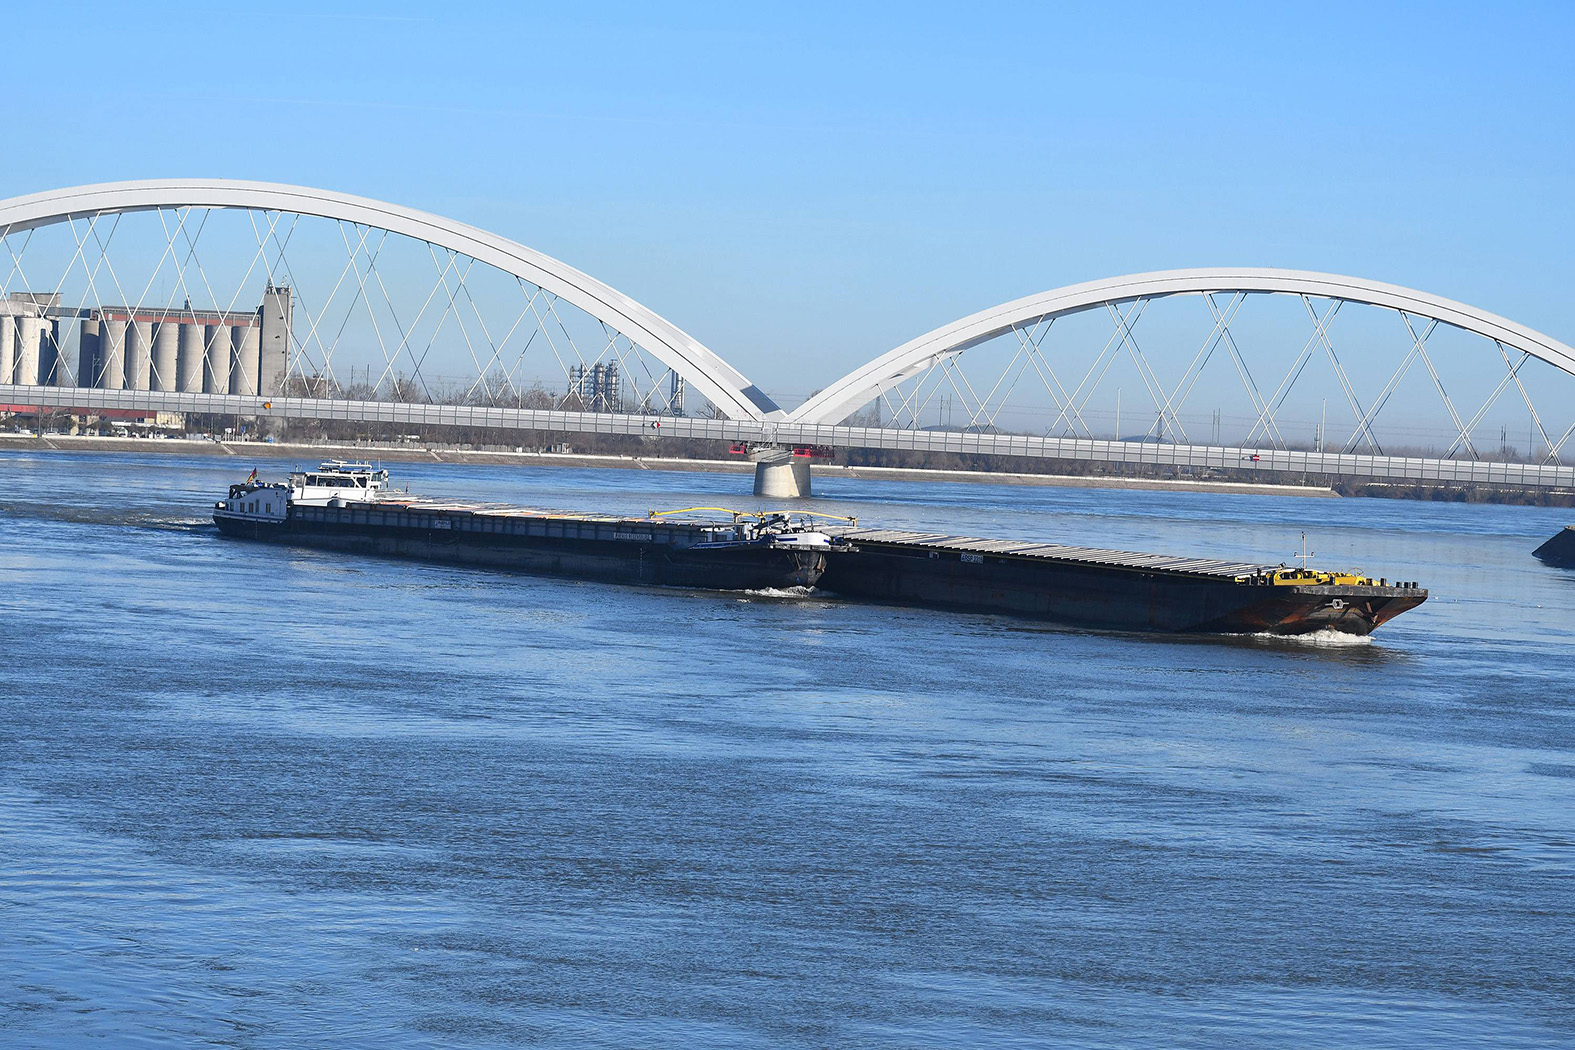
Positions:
(1149, 455)
(1159, 563)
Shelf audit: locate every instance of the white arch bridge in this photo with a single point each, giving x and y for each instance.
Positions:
(101, 314)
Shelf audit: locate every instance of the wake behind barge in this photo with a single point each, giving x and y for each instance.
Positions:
(346, 507)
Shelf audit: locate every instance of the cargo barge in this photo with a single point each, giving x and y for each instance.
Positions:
(1558, 551)
(347, 507)
(1119, 590)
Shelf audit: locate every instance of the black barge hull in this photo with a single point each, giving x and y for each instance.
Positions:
(1560, 550)
(1103, 589)
(1078, 586)
(635, 552)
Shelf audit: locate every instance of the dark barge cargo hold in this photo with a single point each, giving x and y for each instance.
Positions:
(345, 507)
(1120, 590)
(342, 506)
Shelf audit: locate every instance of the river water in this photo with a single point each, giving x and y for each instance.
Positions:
(261, 797)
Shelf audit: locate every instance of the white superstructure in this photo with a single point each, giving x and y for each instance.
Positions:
(255, 501)
(338, 480)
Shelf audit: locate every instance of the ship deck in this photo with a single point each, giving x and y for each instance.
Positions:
(1166, 564)
(512, 510)
(508, 510)
(496, 519)
(1211, 568)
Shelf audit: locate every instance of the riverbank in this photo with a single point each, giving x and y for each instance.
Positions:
(307, 454)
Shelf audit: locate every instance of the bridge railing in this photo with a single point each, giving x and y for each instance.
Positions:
(1403, 469)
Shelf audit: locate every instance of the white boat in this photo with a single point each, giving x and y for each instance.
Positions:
(337, 480)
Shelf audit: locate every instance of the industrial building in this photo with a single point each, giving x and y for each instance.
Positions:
(598, 387)
(30, 339)
(138, 348)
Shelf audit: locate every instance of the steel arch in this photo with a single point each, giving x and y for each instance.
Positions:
(724, 385)
(835, 402)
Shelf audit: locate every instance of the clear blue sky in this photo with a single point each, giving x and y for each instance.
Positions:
(804, 185)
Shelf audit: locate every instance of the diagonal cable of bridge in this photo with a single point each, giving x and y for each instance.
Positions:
(745, 414)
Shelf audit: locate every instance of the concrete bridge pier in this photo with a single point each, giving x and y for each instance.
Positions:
(780, 474)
